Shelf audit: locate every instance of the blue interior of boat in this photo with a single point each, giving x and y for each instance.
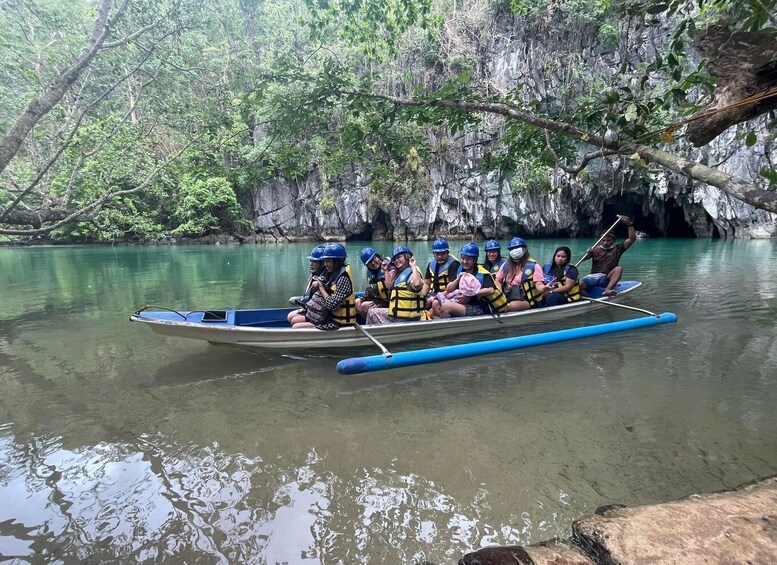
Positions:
(265, 318)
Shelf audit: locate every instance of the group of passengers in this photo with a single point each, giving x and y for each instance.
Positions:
(397, 291)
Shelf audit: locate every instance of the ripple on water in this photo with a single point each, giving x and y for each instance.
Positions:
(125, 443)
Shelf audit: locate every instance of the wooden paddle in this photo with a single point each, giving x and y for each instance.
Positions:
(612, 227)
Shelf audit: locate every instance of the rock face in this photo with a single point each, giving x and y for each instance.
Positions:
(738, 526)
(464, 201)
(729, 527)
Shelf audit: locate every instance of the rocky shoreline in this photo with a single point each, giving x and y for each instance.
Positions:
(219, 239)
(735, 526)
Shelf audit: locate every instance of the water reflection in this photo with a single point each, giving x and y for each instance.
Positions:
(149, 499)
(122, 445)
(219, 363)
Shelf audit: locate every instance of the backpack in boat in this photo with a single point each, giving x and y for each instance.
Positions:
(315, 310)
(513, 293)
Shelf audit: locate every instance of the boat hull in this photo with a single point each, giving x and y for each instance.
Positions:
(268, 329)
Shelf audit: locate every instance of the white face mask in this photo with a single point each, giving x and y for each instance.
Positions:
(517, 253)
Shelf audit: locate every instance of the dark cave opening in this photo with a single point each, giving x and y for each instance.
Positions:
(364, 235)
(668, 221)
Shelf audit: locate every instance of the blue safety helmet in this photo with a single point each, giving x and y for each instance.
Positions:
(493, 245)
(317, 252)
(517, 242)
(470, 250)
(334, 251)
(367, 254)
(440, 245)
(398, 250)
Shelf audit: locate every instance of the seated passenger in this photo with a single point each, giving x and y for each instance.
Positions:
(605, 271)
(333, 304)
(521, 278)
(317, 272)
(440, 271)
(494, 259)
(561, 279)
(486, 299)
(406, 298)
(376, 293)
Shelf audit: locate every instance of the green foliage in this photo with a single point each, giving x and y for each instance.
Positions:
(273, 89)
(371, 26)
(529, 174)
(739, 15)
(576, 13)
(670, 85)
(205, 206)
(396, 184)
(326, 203)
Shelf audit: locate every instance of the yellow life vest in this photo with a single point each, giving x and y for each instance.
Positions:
(530, 292)
(497, 298)
(345, 315)
(573, 294)
(377, 285)
(404, 303)
(440, 273)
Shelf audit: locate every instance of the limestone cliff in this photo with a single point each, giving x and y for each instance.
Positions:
(462, 201)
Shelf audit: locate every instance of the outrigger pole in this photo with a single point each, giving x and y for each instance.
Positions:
(372, 363)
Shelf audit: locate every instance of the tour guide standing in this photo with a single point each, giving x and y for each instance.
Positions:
(605, 271)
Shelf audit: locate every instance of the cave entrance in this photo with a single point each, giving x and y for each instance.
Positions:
(675, 222)
(666, 220)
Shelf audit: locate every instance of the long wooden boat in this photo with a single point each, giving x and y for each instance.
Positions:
(268, 327)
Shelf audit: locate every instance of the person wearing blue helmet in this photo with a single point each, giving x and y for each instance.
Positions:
(317, 272)
(333, 304)
(377, 293)
(494, 259)
(406, 299)
(485, 297)
(440, 271)
(521, 278)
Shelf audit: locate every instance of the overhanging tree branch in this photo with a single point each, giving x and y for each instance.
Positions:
(587, 158)
(68, 140)
(43, 104)
(61, 217)
(730, 184)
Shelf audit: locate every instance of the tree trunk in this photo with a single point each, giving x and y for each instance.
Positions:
(42, 105)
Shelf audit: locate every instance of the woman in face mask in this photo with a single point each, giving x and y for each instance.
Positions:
(521, 278)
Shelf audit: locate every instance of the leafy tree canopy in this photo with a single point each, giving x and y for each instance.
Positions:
(117, 118)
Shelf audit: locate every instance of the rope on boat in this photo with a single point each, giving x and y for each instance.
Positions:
(149, 306)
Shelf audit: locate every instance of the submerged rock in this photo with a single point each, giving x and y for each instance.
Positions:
(552, 553)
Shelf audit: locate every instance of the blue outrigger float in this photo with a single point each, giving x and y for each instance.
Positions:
(372, 363)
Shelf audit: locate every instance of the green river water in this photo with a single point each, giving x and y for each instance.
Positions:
(119, 445)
